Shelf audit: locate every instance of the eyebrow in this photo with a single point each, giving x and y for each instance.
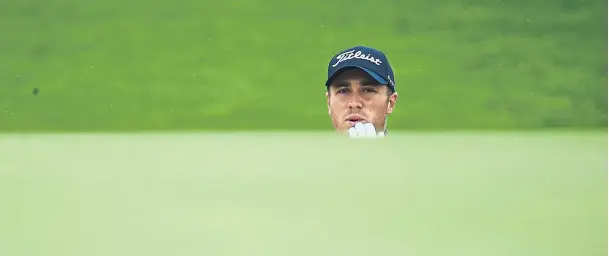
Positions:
(365, 82)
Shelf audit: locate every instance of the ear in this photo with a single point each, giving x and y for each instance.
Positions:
(328, 102)
(392, 99)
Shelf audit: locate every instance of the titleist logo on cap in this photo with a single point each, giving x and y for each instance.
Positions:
(357, 55)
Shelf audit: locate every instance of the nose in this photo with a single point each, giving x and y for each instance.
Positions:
(355, 102)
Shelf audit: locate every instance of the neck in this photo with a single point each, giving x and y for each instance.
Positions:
(385, 126)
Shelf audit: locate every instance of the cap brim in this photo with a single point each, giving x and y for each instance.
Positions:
(375, 76)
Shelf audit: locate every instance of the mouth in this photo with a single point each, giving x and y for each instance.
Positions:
(355, 119)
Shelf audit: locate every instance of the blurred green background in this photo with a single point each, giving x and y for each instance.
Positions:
(224, 65)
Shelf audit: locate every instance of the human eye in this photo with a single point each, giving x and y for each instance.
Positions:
(342, 90)
(370, 90)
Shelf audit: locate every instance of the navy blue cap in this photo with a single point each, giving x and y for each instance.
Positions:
(373, 61)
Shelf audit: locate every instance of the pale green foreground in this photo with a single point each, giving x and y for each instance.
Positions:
(308, 194)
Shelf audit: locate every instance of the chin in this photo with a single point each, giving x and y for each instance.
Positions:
(342, 127)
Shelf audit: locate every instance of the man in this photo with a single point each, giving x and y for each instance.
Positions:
(360, 92)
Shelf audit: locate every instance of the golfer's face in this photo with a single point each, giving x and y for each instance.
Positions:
(354, 97)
